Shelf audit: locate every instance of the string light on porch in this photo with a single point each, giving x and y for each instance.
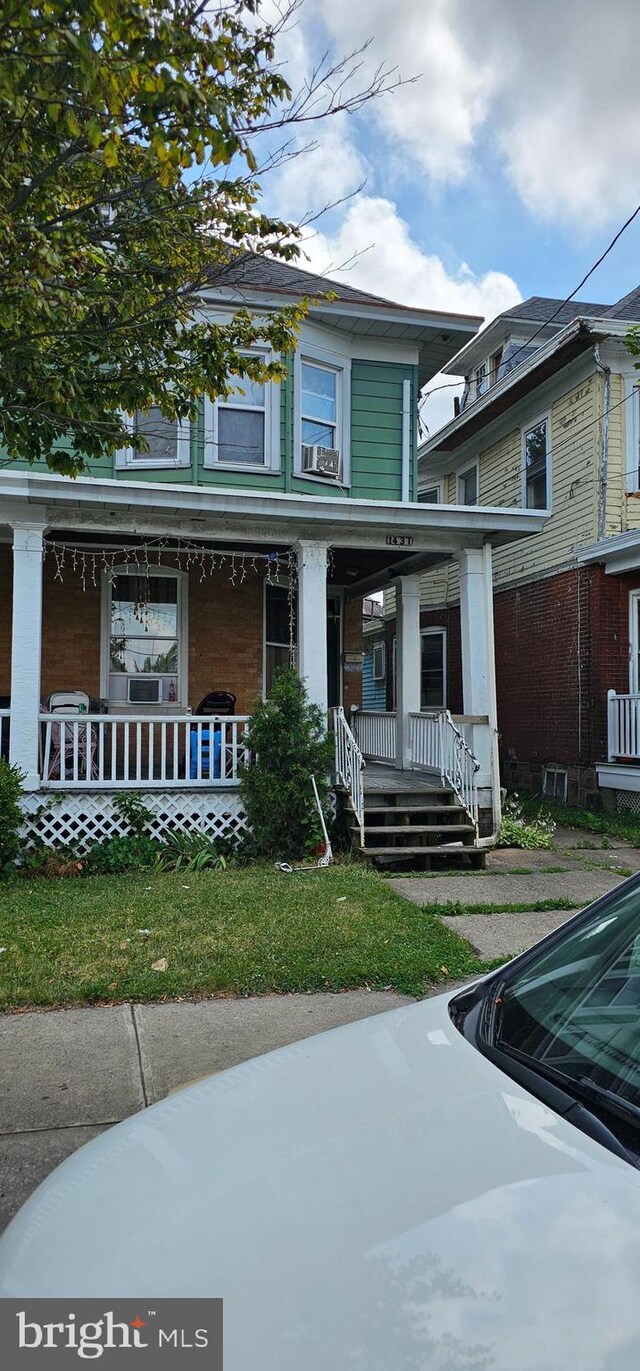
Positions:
(89, 563)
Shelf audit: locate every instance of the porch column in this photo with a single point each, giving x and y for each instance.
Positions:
(312, 620)
(26, 638)
(479, 668)
(407, 662)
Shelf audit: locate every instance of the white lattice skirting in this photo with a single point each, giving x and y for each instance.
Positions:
(80, 820)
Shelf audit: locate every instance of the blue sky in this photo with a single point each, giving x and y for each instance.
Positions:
(502, 172)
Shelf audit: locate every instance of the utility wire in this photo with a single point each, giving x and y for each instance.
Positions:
(448, 385)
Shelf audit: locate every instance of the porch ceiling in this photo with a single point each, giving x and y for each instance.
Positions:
(128, 507)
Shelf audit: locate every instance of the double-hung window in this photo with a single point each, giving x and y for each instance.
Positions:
(167, 442)
(144, 627)
(322, 407)
(242, 428)
(467, 484)
(480, 378)
(431, 495)
(319, 404)
(536, 492)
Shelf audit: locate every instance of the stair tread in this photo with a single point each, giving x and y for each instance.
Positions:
(414, 809)
(420, 828)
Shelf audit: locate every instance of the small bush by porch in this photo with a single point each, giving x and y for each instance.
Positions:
(236, 932)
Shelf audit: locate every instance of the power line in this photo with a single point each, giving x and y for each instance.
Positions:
(449, 385)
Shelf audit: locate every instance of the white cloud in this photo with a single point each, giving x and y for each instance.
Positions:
(388, 261)
(550, 88)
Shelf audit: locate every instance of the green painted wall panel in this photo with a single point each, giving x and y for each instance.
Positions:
(376, 444)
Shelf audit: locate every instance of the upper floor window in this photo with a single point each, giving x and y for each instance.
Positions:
(322, 400)
(167, 441)
(431, 495)
(535, 466)
(319, 404)
(242, 428)
(468, 485)
(144, 638)
(494, 366)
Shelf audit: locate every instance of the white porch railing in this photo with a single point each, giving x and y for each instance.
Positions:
(437, 745)
(623, 726)
(121, 752)
(349, 766)
(375, 734)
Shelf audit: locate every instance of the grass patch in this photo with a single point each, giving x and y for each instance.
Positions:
(455, 908)
(594, 821)
(247, 932)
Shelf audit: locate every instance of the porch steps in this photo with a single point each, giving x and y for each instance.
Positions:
(404, 824)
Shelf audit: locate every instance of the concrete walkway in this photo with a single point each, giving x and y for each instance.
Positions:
(69, 1074)
(577, 870)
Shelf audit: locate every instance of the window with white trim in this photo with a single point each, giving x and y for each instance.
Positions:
(480, 380)
(431, 495)
(322, 390)
(536, 483)
(433, 668)
(467, 485)
(242, 429)
(167, 442)
(144, 629)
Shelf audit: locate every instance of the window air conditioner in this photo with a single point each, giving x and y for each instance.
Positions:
(144, 690)
(322, 461)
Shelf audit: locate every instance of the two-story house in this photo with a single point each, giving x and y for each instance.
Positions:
(149, 602)
(549, 420)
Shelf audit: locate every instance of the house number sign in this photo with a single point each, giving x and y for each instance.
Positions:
(399, 540)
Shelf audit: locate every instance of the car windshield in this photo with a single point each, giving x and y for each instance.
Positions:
(574, 1010)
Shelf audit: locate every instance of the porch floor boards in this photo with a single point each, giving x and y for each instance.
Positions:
(379, 778)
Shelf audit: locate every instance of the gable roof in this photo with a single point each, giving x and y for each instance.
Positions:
(255, 271)
(628, 307)
(539, 309)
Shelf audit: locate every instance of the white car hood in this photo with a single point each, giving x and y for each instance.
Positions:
(377, 1198)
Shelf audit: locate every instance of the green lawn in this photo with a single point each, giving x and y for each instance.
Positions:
(77, 941)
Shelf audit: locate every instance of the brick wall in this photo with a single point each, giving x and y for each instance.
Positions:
(352, 642)
(224, 635)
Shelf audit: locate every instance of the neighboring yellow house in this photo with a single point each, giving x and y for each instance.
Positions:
(550, 420)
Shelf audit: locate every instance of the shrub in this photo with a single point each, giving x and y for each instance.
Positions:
(289, 743)
(11, 816)
(516, 831)
(136, 814)
(123, 852)
(191, 852)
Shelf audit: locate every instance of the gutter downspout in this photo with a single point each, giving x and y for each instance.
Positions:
(604, 444)
(406, 442)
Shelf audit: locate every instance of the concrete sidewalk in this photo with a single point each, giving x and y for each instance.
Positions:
(70, 1073)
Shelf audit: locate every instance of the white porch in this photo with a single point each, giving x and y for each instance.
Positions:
(336, 547)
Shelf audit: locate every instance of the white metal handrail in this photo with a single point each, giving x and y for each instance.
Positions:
(437, 745)
(375, 734)
(124, 751)
(623, 717)
(349, 766)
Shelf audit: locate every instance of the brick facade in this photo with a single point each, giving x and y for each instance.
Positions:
(561, 643)
(225, 635)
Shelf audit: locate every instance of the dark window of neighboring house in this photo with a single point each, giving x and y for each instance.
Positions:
(494, 366)
(433, 669)
(480, 378)
(430, 496)
(535, 467)
(277, 633)
(468, 486)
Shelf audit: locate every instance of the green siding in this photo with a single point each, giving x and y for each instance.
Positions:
(376, 429)
(376, 444)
